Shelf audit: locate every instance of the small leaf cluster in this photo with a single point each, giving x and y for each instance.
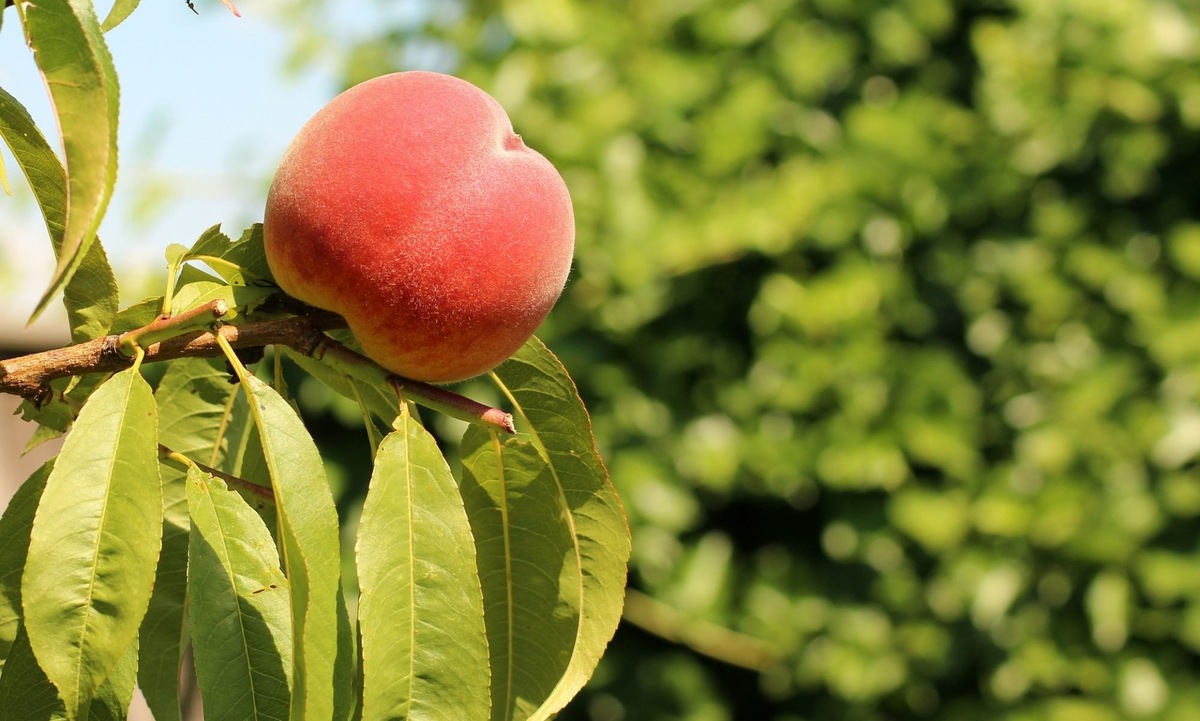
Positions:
(189, 513)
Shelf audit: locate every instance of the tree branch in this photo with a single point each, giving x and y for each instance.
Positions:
(703, 637)
(262, 492)
(29, 376)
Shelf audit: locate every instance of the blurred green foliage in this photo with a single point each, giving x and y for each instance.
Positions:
(888, 317)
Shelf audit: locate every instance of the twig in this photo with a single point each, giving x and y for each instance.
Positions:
(28, 375)
(452, 404)
(178, 458)
(169, 326)
(703, 637)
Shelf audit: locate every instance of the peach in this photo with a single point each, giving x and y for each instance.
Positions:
(409, 206)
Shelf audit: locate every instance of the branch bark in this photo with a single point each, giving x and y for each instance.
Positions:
(28, 376)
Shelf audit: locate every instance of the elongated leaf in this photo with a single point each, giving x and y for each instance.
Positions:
(15, 527)
(27, 695)
(198, 420)
(308, 529)
(25, 692)
(240, 263)
(112, 699)
(95, 540)
(243, 457)
(239, 611)
(527, 564)
(192, 398)
(420, 607)
(69, 48)
(163, 635)
(120, 10)
(91, 296)
(546, 400)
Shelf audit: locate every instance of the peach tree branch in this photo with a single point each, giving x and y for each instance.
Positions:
(29, 376)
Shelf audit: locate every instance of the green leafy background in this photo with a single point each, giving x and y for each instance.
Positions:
(886, 315)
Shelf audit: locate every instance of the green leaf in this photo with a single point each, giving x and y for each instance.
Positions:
(114, 695)
(15, 526)
(192, 398)
(546, 401)
(239, 609)
(137, 315)
(25, 692)
(40, 435)
(37, 161)
(243, 458)
(163, 635)
(240, 263)
(95, 540)
(526, 560)
(68, 46)
(91, 296)
(199, 293)
(308, 528)
(120, 10)
(27, 695)
(420, 609)
(56, 412)
(380, 399)
(174, 254)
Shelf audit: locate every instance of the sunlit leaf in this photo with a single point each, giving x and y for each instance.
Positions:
(424, 654)
(191, 398)
(27, 695)
(68, 46)
(240, 263)
(15, 526)
(121, 9)
(25, 692)
(194, 295)
(545, 399)
(95, 540)
(308, 529)
(91, 295)
(239, 610)
(528, 568)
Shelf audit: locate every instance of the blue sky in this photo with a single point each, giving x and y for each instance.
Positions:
(206, 112)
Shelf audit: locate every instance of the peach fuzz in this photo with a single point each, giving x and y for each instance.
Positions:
(409, 206)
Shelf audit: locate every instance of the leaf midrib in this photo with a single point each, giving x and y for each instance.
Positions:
(87, 608)
(570, 516)
(227, 567)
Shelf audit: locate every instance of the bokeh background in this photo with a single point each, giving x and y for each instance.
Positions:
(888, 319)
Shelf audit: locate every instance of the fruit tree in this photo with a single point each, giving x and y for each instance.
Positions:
(410, 239)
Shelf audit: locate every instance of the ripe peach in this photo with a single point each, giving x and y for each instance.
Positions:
(409, 206)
